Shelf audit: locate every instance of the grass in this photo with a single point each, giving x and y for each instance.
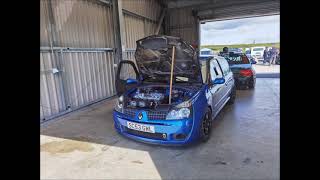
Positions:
(243, 46)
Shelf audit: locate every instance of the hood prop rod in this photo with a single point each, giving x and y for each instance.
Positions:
(171, 75)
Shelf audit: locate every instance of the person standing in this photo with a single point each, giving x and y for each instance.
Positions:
(278, 57)
(225, 52)
(273, 55)
(265, 55)
(270, 55)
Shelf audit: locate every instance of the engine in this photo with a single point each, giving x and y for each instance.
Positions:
(151, 97)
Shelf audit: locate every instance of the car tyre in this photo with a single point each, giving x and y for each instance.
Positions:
(232, 96)
(251, 84)
(205, 127)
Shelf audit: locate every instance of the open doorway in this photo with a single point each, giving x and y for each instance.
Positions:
(256, 37)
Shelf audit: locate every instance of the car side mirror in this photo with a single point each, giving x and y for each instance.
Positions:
(131, 81)
(218, 81)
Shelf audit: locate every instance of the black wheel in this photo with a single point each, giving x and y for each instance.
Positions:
(251, 84)
(205, 128)
(232, 96)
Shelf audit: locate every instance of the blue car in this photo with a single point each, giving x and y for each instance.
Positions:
(148, 111)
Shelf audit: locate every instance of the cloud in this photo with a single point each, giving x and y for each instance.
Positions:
(222, 26)
(241, 31)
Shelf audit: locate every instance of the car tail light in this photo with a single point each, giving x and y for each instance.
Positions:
(246, 72)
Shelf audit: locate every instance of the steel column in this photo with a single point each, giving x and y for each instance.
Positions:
(164, 10)
(119, 30)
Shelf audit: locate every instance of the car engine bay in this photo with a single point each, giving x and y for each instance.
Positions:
(151, 97)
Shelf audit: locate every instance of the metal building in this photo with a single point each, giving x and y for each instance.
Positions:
(82, 40)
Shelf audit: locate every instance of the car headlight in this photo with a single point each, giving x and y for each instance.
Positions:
(181, 111)
(178, 114)
(119, 105)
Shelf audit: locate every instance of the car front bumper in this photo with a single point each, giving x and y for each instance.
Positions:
(173, 130)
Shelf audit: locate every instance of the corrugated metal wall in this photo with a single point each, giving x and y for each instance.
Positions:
(76, 55)
(142, 24)
(134, 28)
(183, 24)
(147, 8)
(52, 96)
(85, 24)
(77, 49)
(44, 24)
(89, 76)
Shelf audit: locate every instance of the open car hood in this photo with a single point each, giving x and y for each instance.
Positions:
(154, 56)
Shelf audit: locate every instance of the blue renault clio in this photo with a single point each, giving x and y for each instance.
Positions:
(168, 96)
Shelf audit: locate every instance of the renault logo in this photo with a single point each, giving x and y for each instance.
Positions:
(164, 135)
(140, 116)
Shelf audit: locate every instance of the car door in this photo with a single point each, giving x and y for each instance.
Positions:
(216, 90)
(127, 76)
(228, 76)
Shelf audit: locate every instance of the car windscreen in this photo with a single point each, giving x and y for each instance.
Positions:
(237, 59)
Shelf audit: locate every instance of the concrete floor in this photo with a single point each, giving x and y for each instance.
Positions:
(244, 145)
(261, 68)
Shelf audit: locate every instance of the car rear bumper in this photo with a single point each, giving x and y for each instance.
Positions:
(243, 81)
(167, 132)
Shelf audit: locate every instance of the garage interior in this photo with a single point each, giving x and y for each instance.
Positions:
(82, 40)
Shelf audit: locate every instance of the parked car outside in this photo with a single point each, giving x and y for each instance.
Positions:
(200, 90)
(243, 72)
(257, 53)
(248, 54)
(235, 50)
(206, 53)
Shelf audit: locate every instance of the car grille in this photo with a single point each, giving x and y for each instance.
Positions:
(129, 112)
(152, 115)
(159, 136)
(157, 115)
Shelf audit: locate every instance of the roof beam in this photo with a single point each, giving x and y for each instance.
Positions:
(244, 10)
(208, 4)
(232, 3)
(138, 15)
(163, 13)
(187, 3)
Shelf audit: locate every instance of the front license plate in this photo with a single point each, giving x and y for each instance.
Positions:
(140, 127)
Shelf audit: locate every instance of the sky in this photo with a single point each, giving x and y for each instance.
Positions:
(241, 31)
